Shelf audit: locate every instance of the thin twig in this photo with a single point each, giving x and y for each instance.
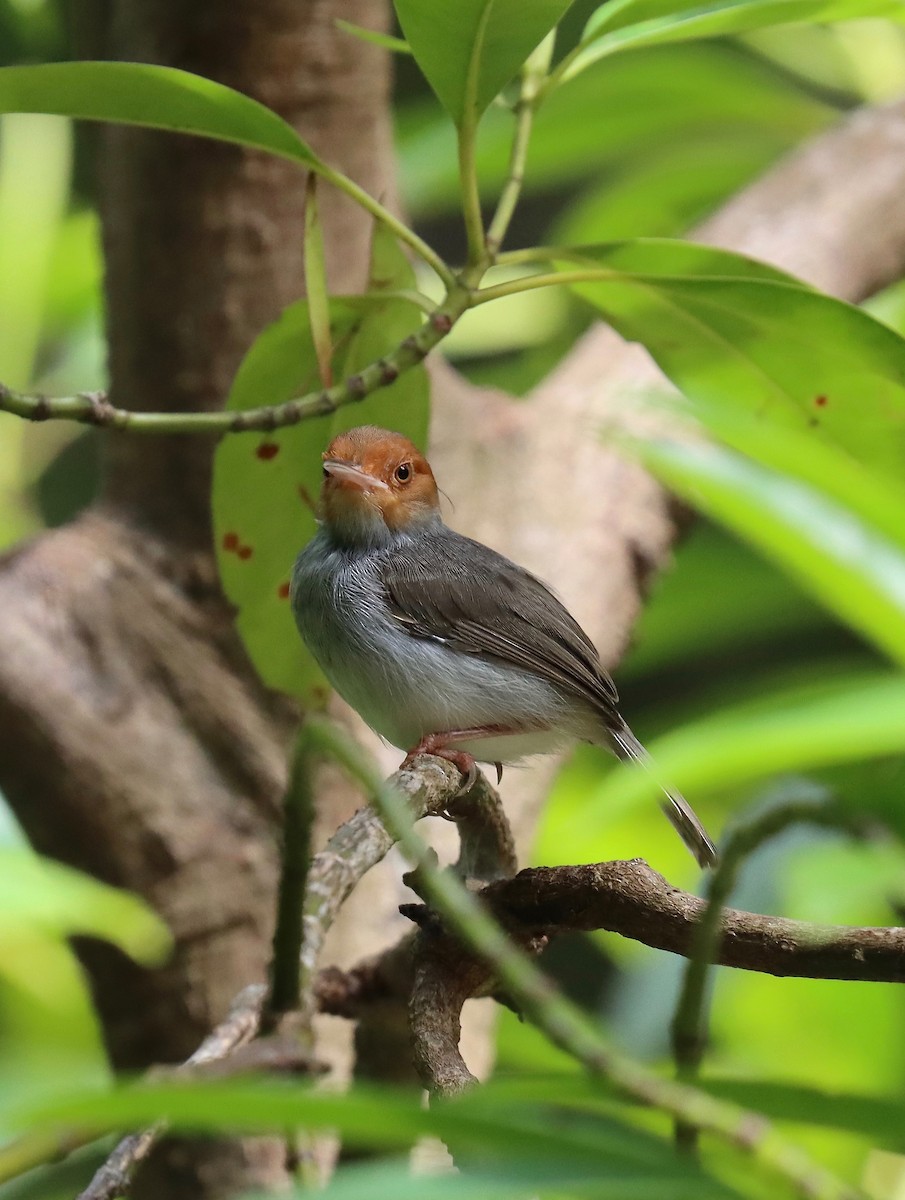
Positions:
(533, 75)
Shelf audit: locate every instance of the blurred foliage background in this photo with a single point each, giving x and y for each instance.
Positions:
(647, 147)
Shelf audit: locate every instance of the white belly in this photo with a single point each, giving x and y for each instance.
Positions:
(406, 688)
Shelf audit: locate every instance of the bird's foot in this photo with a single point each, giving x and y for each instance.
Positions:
(435, 744)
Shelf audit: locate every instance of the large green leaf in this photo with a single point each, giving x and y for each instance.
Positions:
(583, 1153)
(469, 50)
(877, 500)
(844, 720)
(143, 94)
(266, 486)
(848, 565)
(38, 896)
(629, 24)
(738, 334)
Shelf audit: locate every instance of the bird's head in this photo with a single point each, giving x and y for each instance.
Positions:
(377, 484)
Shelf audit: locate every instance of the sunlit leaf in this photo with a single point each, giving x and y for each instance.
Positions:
(384, 40)
(877, 500)
(144, 94)
(629, 24)
(40, 896)
(846, 564)
(837, 721)
(735, 333)
(471, 49)
(266, 486)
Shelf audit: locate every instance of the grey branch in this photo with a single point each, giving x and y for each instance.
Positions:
(631, 899)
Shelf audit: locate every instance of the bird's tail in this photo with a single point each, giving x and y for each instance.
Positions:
(680, 813)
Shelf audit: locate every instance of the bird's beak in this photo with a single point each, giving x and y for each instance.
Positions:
(352, 477)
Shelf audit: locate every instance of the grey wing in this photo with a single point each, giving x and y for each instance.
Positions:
(461, 593)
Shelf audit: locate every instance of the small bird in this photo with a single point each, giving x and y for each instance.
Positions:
(442, 645)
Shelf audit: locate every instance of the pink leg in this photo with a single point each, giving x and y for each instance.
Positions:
(438, 744)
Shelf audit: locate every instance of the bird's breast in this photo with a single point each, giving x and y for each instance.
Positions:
(406, 687)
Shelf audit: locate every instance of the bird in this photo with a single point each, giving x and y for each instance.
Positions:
(442, 645)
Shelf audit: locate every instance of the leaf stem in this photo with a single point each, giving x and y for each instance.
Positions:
(402, 231)
(562, 1021)
(471, 198)
(527, 283)
(533, 74)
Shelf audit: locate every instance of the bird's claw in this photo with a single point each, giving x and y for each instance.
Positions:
(470, 777)
(465, 763)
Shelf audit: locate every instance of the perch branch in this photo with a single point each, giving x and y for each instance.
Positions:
(631, 899)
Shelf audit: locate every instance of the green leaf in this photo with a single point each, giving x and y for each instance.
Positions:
(630, 24)
(266, 486)
(471, 49)
(159, 97)
(852, 719)
(877, 500)
(738, 334)
(846, 564)
(384, 40)
(654, 101)
(878, 1118)
(37, 895)
(529, 1144)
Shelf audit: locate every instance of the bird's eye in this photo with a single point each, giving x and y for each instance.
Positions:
(403, 473)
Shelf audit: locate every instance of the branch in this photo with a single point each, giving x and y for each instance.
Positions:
(428, 786)
(631, 899)
(93, 408)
